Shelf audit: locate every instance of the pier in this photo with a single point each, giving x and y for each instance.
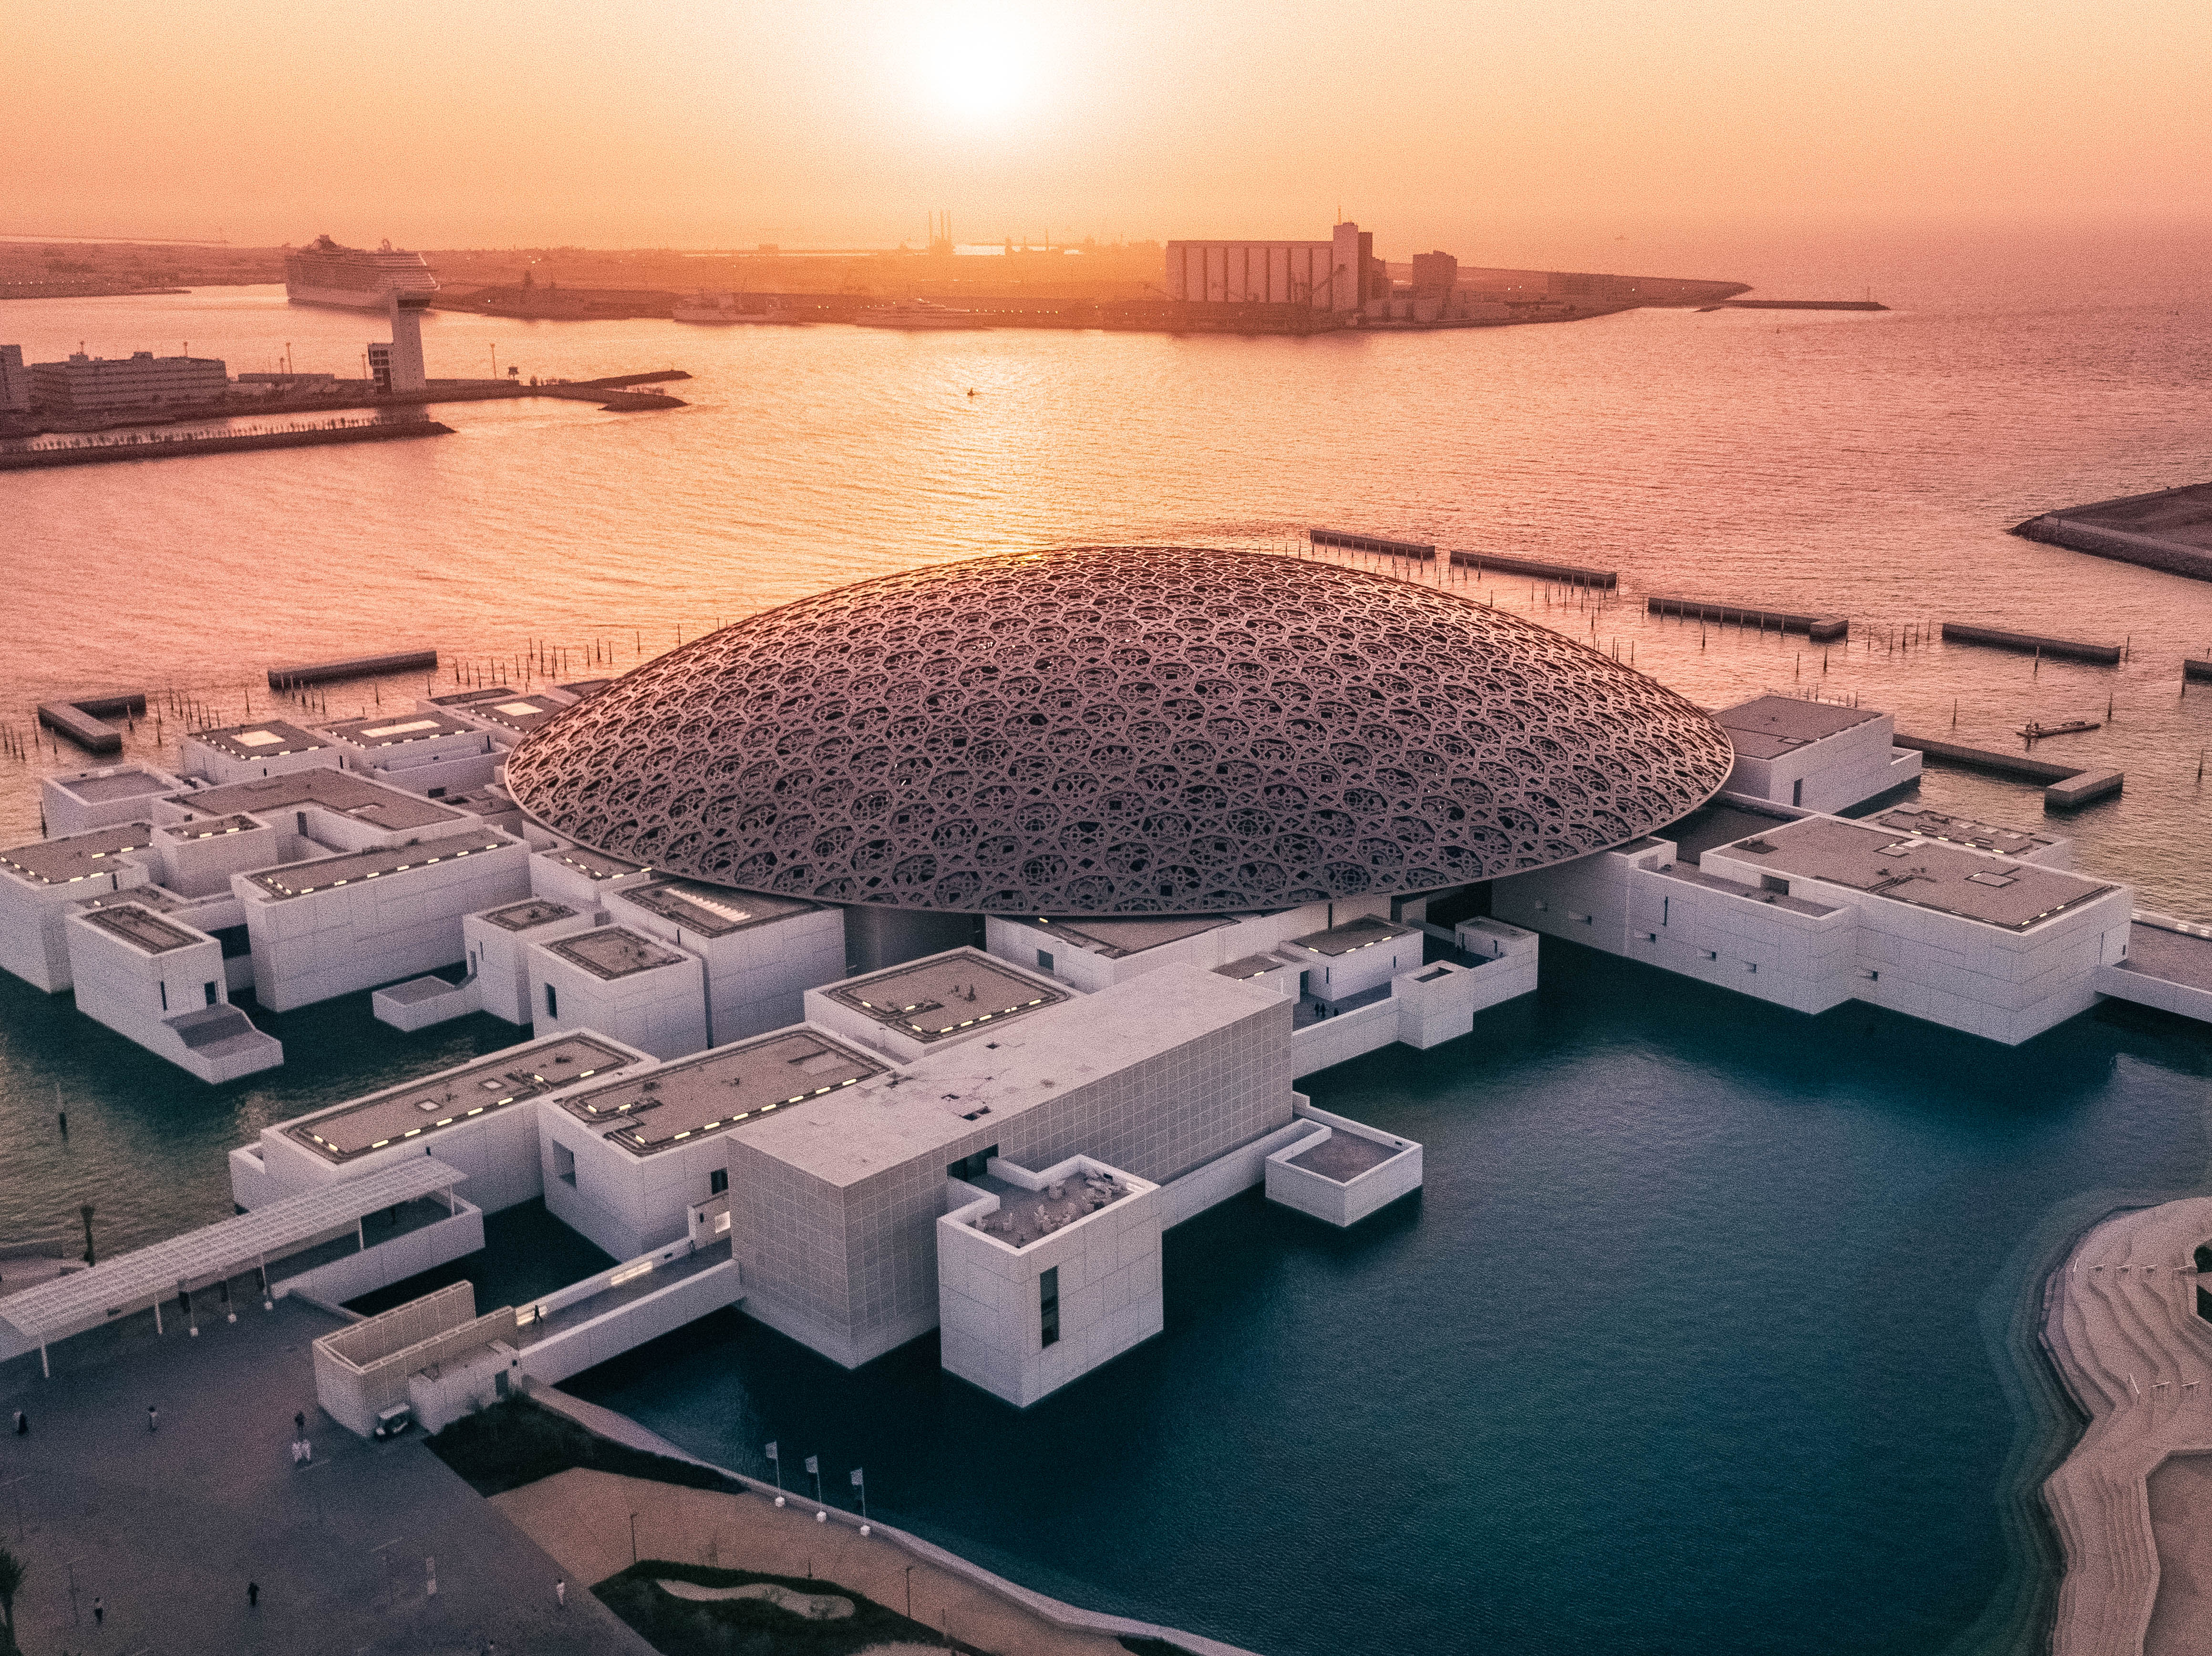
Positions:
(1567, 573)
(2170, 530)
(1800, 305)
(1818, 629)
(2066, 788)
(99, 451)
(80, 720)
(330, 672)
(2065, 649)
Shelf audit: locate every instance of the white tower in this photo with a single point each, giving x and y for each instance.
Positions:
(398, 366)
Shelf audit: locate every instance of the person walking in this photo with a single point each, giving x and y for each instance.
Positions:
(253, 1595)
(99, 1612)
(299, 1422)
(22, 1424)
(560, 1592)
(152, 1418)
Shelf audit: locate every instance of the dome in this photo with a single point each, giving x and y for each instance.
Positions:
(1120, 731)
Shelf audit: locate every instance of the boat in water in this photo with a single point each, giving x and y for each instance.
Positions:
(721, 309)
(918, 313)
(325, 273)
(2035, 732)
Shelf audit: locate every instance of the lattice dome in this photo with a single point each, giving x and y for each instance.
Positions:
(1120, 731)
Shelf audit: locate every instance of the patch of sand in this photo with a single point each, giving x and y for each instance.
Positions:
(814, 1606)
(583, 1518)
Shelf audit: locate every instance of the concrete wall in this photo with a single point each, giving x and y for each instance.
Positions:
(33, 945)
(1737, 939)
(214, 765)
(572, 1350)
(1348, 1202)
(2181, 998)
(627, 1204)
(757, 976)
(77, 804)
(497, 960)
(137, 995)
(200, 863)
(851, 1272)
(1833, 774)
(1019, 943)
(387, 1263)
(988, 1292)
(661, 1010)
(350, 937)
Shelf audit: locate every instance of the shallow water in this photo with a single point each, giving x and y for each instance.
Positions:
(1705, 1333)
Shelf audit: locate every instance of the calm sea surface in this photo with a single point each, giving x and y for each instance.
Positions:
(1708, 1333)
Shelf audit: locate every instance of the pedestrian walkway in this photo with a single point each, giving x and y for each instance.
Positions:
(168, 1527)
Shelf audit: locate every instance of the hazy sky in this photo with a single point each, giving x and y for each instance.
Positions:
(1496, 131)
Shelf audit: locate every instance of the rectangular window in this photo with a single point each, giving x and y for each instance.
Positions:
(1044, 960)
(1774, 882)
(165, 997)
(1665, 906)
(210, 994)
(564, 1165)
(1048, 1306)
(552, 1003)
(718, 1181)
(1797, 791)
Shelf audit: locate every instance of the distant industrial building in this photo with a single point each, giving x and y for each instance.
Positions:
(101, 385)
(1341, 274)
(1435, 275)
(15, 381)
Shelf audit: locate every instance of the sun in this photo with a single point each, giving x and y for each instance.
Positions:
(978, 67)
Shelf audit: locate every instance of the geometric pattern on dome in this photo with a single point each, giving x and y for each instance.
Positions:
(1120, 731)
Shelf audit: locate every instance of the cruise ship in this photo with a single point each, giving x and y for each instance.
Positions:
(724, 308)
(918, 313)
(323, 273)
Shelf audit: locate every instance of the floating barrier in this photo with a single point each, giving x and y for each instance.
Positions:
(2101, 655)
(1571, 574)
(1371, 543)
(327, 672)
(1820, 629)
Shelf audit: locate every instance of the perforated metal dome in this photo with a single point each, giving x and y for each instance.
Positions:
(1120, 731)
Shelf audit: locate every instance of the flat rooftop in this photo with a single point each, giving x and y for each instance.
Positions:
(1711, 826)
(1994, 891)
(612, 952)
(142, 928)
(528, 916)
(159, 899)
(709, 910)
(422, 1107)
(270, 738)
(582, 688)
(398, 730)
(1362, 933)
(104, 789)
(209, 827)
(76, 856)
(932, 998)
(1768, 727)
(956, 1098)
(343, 791)
(1962, 831)
(1782, 900)
(1027, 1216)
(2184, 957)
(328, 873)
(1251, 966)
(591, 864)
(726, 1088)
(518, 712)
(1343, 1156)
(1115, 938)
(469, 698)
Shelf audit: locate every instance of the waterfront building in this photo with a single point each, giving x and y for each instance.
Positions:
(15, 381)
(102, 385)
(1815, 754)
(397, 366)
(1339, 274)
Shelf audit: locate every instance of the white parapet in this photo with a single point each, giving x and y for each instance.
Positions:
(637, 989)
(1344, 1170)
(759, 954)
(1046, 1276)
(40, 884)
(497, 941)
(80, 801)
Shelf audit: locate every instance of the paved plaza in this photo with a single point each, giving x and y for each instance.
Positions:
(168, 1527)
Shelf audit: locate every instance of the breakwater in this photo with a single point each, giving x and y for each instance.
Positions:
(101, 450)
(2066, 788)
(2100, 655)
(330, 672)
(1800, 305)
(79, 718)
(2169, 529)
(1820, 629)
(1568, 573)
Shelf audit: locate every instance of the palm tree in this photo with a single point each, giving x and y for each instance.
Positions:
(12, 1572)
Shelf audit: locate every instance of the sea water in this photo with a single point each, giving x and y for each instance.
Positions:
(1710, 1330)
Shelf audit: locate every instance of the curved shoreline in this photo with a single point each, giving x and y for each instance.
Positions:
(2120, 1327)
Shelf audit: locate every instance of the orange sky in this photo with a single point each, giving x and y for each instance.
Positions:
(1499, 131)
